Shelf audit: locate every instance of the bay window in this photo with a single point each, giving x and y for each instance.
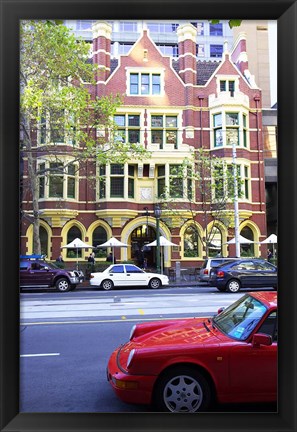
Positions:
(164, 130)
(230, 128)
(128, 128)
(116, 181)
(223, 181)
(174, 180)
(57, 180)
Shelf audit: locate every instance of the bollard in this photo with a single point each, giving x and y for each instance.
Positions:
(177, 271)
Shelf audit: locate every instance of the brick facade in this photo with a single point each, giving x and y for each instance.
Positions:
(188, 93)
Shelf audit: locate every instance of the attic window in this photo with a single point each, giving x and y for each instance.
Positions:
(144, 84)
(227, 85)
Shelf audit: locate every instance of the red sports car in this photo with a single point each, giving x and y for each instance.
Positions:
(183, 365)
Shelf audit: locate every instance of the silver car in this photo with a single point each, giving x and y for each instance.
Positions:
(208, 264)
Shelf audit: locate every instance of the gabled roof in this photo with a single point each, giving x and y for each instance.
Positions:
(205, 69)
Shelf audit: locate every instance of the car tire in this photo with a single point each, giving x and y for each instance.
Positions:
(107, 284)
(233, 286)
(155, 283)
(62, 285)
(183, 389)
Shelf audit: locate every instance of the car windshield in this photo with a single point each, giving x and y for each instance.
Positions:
(239, 319)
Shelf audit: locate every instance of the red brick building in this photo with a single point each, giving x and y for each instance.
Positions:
(171, 108)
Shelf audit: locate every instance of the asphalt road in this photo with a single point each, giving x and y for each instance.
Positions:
(66, 340)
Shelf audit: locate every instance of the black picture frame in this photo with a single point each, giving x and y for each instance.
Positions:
(286, 14)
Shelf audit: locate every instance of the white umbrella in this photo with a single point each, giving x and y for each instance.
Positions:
(272, 239)
(77, 244)
(241, 240)
(163, 242)
(113, 242)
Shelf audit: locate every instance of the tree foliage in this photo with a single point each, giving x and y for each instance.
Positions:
(232, 22)
(61, 117)
(202, 183)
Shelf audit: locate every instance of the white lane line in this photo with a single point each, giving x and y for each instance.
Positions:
(39, 355)
(108, 321)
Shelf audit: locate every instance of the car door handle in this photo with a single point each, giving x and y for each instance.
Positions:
(128, 274)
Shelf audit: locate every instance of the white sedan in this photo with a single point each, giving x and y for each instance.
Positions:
(119, 275)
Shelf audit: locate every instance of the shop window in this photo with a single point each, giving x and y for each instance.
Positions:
(247, 250)
(43, 240)
(191, 242)
(73, 233)
(99, 237)
(215, 242)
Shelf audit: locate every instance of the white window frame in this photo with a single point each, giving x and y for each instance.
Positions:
(145, 71)
(243, 167)
(241, 128)
(65, 176)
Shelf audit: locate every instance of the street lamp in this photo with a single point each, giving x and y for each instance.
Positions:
(158, 212)
(236, 210)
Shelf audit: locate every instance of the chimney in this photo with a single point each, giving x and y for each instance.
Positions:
(239, 54)
(101, 49)
(187, 34)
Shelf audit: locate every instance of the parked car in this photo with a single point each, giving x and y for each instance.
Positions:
(210, 263)
(35, 272)
(243, 273)
(185, 365)
(119, 275)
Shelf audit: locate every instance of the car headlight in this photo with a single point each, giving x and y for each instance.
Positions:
(132, 332)
(130, 358)
(72, 274)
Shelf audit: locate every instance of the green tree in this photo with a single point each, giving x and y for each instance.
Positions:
(58, 106)
(202, 183)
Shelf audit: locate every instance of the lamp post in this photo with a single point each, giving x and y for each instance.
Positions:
(236, 210)
(158, 213)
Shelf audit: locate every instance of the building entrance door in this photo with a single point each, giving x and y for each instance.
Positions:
(143, 255)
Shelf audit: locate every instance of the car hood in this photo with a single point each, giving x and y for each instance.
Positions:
(172, 336)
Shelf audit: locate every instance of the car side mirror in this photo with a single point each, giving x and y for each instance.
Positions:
(261, 339)
(220, 310)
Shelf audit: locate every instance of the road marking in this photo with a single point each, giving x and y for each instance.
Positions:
(160, 318)
(40, 355)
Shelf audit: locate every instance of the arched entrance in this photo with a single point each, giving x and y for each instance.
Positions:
(140, 237)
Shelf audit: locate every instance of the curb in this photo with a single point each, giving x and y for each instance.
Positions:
(87, 285)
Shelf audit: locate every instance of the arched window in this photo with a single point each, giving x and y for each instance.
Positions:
(99, 237)
(72, 234)
(43, 240)
(191, 242)
(215, 242)
(247, 250)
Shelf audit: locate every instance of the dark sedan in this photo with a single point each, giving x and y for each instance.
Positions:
(243, 273)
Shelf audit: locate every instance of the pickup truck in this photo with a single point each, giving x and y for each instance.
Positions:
(37, 273)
